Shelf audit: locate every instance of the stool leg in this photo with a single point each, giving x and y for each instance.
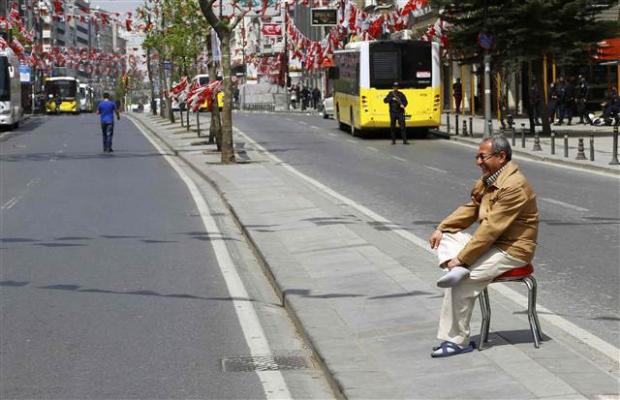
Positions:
(485, 310)
(532, 316)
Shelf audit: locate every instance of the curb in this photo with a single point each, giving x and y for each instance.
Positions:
(596, 168)
(329, 377)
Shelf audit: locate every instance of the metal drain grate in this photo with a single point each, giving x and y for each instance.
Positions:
(264, 363)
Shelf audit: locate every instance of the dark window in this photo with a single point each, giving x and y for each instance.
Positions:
(348, 64)
(83, 41)
(203, 80)
(63, 89)
(406, 62)
(82, 29)
(5, 80)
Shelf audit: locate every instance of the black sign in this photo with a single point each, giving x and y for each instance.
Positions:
(323, 16)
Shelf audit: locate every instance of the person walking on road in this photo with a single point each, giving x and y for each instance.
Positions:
(106, 110)
(504, 204)
(457, 93)
(397, 102)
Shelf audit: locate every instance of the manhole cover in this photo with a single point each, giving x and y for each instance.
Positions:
(263, 363)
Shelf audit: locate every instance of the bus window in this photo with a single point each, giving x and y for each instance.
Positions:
(5, 80)
(416, 65)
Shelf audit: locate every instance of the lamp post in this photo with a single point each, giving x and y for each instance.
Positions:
(485, 42)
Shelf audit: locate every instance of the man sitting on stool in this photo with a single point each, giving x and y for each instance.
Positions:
(504, 204)
(398, 103)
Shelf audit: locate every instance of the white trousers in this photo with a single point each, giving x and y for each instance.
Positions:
(459, 301)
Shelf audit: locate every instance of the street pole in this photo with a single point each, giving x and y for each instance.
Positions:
(487, 80)
(284, 13)
(487, 93)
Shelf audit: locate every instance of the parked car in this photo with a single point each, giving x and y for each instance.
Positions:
(328, 107)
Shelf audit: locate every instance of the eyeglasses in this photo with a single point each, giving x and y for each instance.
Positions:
(484, 157)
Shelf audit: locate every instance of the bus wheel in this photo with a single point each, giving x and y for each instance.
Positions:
(354, 132)
(341, 126)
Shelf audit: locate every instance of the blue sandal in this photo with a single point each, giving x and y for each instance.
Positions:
(447, 349)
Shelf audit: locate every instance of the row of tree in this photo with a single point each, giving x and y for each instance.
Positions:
(178, 33)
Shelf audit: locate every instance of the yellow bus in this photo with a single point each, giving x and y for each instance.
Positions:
(364, 72)
(61, 95)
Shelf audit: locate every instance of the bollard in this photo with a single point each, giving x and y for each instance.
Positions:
(448, 121)
(187, 124)
(566, 145)
(552, 142)
(592, 147)
(181, 112)
(490, 122)
(456, 124)
(581, 154)
(510, 121)
(514, 136)
(471, 126)
(464, 127)
(536, 141)
(522, 135)
(198, 122)
(614, 150)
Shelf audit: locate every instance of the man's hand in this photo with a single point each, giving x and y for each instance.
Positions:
(455, 262)
(435, 239)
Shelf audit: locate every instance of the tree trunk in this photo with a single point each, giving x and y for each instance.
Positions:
(169, 98)
(162, 85)
(215, 129)
(149, 71)
(228, 153)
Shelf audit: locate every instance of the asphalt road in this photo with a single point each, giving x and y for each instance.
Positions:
(416, 186)
(109, 287)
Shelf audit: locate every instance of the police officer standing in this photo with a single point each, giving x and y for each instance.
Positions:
(397, 102)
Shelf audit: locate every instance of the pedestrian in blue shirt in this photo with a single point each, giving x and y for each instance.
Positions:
(106, 110)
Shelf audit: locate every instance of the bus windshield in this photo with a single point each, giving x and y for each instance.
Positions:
(63, 89)
(408, 63)
(5, 80)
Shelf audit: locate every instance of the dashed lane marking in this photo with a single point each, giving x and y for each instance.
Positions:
(436, 169)
(563, 204)
(372, 148)
(399, 158)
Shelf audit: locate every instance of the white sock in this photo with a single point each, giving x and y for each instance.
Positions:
(454, 276)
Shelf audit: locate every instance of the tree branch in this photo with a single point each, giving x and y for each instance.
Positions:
(238, 19)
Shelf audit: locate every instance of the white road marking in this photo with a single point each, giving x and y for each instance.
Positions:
(333, 134)
(436, 169)
(9, 204)
(568, 327)
(314, 127)
(563, 204)
(273, 382)
(371, 148)
(399, 158)
(303, 123)
(351, 141)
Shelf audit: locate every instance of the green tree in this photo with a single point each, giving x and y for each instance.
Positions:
(525, 31)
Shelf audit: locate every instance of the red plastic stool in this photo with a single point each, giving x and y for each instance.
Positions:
(521, 274)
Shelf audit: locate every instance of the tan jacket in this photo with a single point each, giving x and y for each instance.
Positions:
(507, 214)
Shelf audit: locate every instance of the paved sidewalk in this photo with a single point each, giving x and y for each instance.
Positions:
(603, 142)
(363, 292)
